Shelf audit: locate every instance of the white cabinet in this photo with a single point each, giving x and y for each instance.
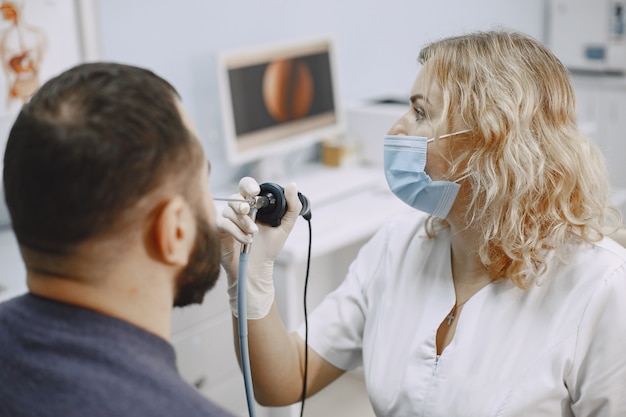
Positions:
(602, 115)
(615, 116)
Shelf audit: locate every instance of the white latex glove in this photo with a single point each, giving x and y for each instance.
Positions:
(236, 228)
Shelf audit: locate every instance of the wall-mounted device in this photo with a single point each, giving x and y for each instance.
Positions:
(588, 35)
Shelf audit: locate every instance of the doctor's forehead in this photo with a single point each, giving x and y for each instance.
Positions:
(424, 87)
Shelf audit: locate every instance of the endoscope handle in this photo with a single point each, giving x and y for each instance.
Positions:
(274, 204)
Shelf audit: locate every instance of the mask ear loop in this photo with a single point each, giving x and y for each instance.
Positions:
(447, 135)
(462, 178)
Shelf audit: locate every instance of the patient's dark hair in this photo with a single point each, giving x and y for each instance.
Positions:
(86, 147)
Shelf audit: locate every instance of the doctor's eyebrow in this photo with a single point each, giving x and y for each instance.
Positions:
(416, 97)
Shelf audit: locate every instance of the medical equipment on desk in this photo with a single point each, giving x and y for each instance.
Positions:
(268, 207)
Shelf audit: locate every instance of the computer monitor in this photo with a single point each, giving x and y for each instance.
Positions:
(277, 98)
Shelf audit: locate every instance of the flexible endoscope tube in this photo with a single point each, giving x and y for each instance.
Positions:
(242, 322)
(242, 325)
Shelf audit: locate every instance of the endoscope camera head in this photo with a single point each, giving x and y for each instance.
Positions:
(272, 204)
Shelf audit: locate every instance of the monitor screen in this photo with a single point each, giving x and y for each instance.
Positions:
(277, 98)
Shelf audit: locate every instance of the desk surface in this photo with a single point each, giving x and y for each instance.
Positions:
(342, 222)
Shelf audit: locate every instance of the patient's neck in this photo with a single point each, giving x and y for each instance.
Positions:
(133, 289)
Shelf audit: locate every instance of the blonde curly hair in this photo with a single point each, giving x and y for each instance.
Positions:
(537, 183)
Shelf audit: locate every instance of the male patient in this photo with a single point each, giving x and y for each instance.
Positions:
(107, 187)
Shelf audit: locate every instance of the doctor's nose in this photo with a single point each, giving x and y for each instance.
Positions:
(401, 126)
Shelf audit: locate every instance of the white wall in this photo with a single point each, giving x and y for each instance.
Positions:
(377, 41)
(377, 46)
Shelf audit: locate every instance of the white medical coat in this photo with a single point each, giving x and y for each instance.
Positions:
(555, 349)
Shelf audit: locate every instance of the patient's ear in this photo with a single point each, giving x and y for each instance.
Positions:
(174, 230)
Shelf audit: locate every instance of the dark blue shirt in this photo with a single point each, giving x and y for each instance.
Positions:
(59, 360)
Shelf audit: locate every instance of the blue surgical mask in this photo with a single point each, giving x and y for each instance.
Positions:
(405, 160)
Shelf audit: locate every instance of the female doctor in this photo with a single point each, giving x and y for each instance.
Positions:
(502, 296)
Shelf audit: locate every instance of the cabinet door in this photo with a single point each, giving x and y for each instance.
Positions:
(614, 115)
(590, 116)
(602, 116)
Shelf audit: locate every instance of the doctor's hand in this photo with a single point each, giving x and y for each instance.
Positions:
(236, 228)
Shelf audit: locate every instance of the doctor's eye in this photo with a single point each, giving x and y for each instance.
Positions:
(420, 114)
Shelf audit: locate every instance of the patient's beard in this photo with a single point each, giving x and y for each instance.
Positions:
(203, 269)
